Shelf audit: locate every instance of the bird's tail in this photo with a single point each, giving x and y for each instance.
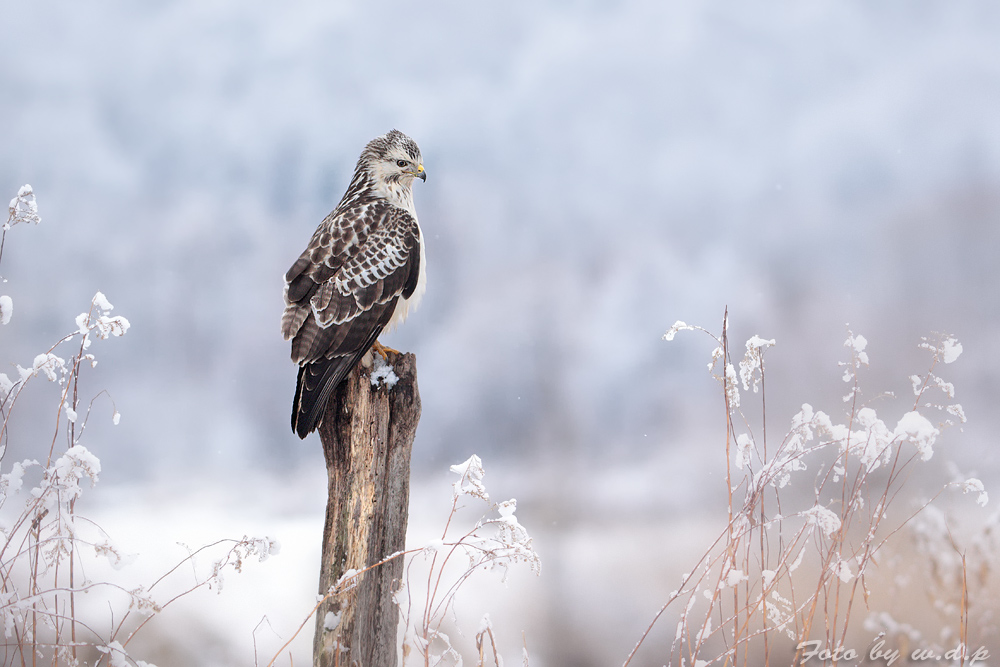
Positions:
(315, 384)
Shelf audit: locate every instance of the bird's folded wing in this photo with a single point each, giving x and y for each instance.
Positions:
(335, 299)
(375, 274)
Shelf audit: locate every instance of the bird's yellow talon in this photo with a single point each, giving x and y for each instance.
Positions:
(383, 350)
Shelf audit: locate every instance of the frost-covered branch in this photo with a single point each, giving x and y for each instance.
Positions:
(44, 539)
(797, 552)
(495, 542)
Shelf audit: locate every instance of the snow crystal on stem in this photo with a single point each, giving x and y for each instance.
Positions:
(5, 387)
(12, 481)
(111, 326)
(116, 558)
(263, 547)
(434, 546)
(743, 446)
(6, 308)
(23, 208)
(778, 471)
(824, 519)
(914, 427)
(513, 539)
(751, 370)
(957, 411)
(485, 624)
(872, 443)
(83, 323)
(678, 326)
(843, 570)
(470, 481)
(858, 344)
(950, 350)
(947, 387)
(101, 302)
(735, 577)
(75, 464)
(104, 325)
(506, 510)
(119, 658)
(732, 387)
(859, 358)
(973, 485)
(46, 363)
(704, 632)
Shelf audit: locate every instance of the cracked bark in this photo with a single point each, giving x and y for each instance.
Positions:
(367, 434)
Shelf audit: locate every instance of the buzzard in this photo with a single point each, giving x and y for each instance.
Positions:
(363, 271)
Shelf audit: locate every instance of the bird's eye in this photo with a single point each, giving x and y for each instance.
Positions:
(401, 163)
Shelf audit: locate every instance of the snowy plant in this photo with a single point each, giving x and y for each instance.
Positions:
(494, 543)
(957, 564)
(808, 514)
(45, 542)
(23, 208)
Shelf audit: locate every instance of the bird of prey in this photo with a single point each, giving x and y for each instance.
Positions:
(363, 271)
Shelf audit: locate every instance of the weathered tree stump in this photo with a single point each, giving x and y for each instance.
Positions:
(367, 435)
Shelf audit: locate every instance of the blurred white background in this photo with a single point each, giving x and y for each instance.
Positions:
(597, 170)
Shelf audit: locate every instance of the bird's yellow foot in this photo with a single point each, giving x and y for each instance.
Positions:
(383, 350)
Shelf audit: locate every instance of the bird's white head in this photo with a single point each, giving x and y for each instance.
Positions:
(392, 161)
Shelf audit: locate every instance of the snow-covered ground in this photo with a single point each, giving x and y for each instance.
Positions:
(609, 560)
(602, 578)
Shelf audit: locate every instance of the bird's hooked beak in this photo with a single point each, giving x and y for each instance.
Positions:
(420, 173)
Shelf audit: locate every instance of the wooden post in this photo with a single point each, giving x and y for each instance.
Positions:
(367, 435)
